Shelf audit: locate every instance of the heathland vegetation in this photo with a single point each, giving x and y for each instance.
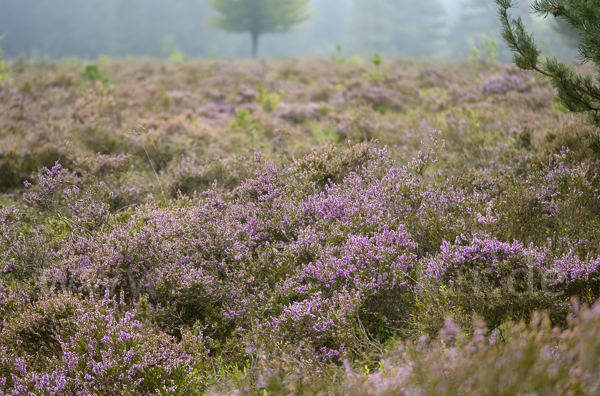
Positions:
(308, 226)
(154, 250)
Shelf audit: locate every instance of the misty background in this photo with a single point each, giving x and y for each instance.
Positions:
(88, 29)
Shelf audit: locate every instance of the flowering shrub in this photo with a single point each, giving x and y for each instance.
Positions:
(381, 98)
(192, 175)
(80, 210)
(63, 344)
(507, 81)
(532, 358)
(192, 262)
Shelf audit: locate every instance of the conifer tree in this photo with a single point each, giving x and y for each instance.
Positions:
(259, 17)
(577, 93)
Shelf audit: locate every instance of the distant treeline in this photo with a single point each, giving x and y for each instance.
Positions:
(50, 29)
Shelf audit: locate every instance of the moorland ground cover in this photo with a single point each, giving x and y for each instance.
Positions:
(295, 226)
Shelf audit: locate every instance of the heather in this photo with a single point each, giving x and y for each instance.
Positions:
(295, 226)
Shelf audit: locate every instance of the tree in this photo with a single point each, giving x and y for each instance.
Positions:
(577, 93)
(398, 27)
(259, 17)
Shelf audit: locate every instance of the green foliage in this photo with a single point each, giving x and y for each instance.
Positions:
(341, 59)
(102, 140)
(333, 165)
(14, 170)
(194, 175)
(478, 23)
(379, 74)
(243, 119)
(489, 50)
(4, 72)
(92, 72)
(177, 57)
(326, 134)
(472, 28)
(338, 56)
(269, 101)
(579, 94)
(165, 102)
(15, 167)
(259, 17)
(377, 60)
(249, 127)
(171, 49)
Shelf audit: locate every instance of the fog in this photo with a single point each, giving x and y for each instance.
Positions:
(88, 29)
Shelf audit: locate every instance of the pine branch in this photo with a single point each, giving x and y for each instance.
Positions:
(578, 94)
